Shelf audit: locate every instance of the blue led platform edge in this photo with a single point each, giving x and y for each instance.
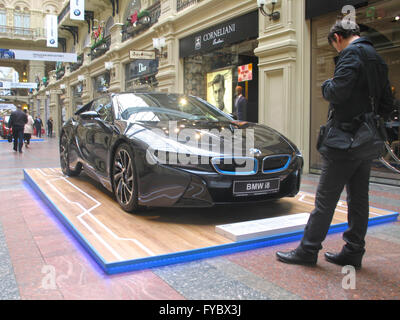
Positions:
(34, 140)
(189, 255)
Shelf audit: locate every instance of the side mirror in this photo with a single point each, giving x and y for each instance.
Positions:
(89, 115)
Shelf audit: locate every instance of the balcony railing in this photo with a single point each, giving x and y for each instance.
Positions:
(101, 49)
(60, 73)
(24, 33)
(78, 64)
(130, 31)
(183, 4)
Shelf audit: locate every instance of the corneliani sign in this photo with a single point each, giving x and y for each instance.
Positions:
(239, 29)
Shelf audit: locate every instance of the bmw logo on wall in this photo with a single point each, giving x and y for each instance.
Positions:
(77, 12)
(52, 41)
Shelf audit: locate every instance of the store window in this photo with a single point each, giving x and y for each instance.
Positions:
(213, 77)
(101, 84)
(380, 22)
(141, 75)
(77, 97)
(214, 59)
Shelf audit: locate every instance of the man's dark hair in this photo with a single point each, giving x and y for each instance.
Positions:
(219, 78)
(345, 32)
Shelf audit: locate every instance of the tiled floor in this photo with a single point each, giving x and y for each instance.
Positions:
(39, 259)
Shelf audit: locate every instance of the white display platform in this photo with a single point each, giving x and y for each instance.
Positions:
(263, 227)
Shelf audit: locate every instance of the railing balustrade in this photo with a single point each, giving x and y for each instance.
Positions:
(183, 4)
(132, 31)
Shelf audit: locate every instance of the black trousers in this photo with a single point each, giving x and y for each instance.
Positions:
(336, 174)
(18, 134)
(38, 132)
(27, 137)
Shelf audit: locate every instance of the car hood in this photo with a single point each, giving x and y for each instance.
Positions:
(206, 138)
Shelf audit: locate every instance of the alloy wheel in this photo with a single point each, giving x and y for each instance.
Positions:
(123, 177)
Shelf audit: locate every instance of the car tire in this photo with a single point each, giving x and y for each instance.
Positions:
(124, 178)
(64, 159)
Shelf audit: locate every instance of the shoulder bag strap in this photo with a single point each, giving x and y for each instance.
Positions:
(372, 97)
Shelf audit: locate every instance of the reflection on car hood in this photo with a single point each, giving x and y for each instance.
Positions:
(209, 138)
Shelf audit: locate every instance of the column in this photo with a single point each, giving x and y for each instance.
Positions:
(36, 68)
(284, 73)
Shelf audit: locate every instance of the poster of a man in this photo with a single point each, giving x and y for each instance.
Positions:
(219, 89)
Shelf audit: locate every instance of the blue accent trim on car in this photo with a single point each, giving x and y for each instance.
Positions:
(235, 173)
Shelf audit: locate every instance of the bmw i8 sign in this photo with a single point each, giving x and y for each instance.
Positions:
(77, 9)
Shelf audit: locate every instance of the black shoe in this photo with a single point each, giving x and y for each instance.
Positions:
(294, 257)
(344, 259)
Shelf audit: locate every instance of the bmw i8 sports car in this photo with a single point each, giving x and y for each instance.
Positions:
(163, 150)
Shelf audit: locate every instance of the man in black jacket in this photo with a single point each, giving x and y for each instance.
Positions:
(17, 122)
(348, 95)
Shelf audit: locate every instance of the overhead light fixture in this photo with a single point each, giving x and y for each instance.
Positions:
(158, 45)
(274, 15)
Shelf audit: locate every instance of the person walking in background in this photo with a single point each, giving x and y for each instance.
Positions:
(17, 122)
(240, 110)
(349, 98)
(38, 126)
(50, 127)
(28, 129)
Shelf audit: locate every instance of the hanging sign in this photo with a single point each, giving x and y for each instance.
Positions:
(37, 55)
(18, 85)
(77, 9)
(245, 72)
(142, 54)
(52, 31)
(232, 31)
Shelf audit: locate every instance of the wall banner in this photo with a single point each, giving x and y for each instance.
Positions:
(37, 55)
(18, 85)
(52, 30)
(77, 9)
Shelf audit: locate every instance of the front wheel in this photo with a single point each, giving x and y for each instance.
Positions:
(64, 159)
(124, 178)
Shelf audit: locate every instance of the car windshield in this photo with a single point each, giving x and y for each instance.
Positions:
(166, 107)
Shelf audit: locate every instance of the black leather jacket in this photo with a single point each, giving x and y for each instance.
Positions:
(347, 91)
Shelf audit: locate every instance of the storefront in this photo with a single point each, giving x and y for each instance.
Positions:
(377, 20)
(140, 74)
(214, 55)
